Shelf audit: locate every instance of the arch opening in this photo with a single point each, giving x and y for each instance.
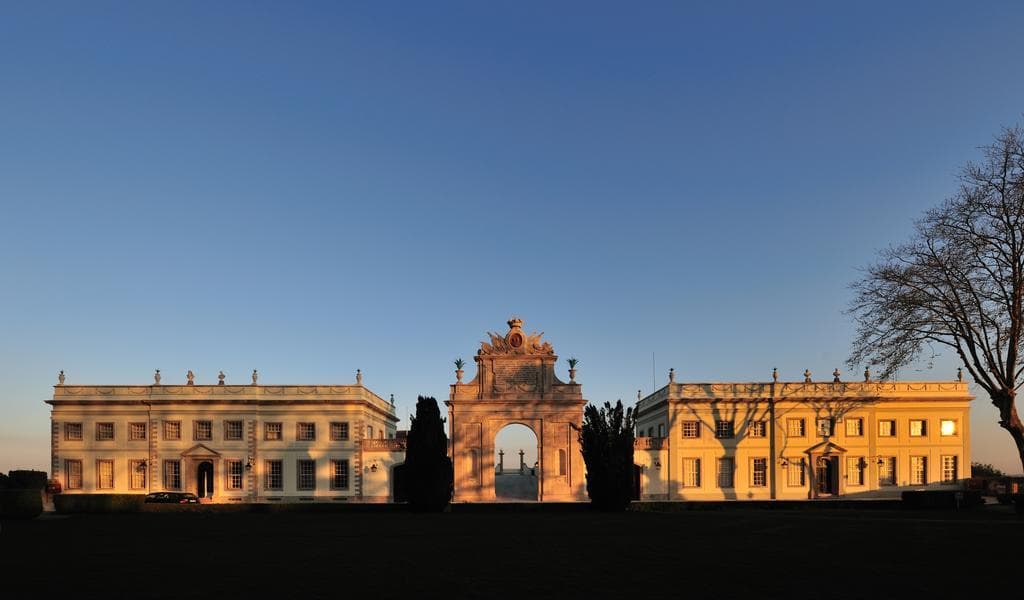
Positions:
(516, 464)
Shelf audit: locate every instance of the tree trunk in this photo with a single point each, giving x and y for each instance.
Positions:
(1010, 420)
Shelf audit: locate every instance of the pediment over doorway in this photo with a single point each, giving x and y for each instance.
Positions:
(200, 451)
(825, 447)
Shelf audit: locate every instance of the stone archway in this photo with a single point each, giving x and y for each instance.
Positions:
(516, 383)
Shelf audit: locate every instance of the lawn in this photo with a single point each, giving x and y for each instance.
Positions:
(483, 554)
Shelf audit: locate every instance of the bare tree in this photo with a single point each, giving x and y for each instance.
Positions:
(958, 282)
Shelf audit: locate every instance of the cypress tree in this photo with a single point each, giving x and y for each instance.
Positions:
(428, 470)
(606, 440)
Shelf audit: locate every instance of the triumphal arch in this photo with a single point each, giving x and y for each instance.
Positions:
(515, 382)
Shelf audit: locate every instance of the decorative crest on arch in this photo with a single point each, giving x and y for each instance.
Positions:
(516, 341)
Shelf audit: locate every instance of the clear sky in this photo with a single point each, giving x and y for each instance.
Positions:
(311, 188)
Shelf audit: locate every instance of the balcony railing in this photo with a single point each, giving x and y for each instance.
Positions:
(648, 443)
(386, 445)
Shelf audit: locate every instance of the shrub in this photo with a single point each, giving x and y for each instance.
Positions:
(606, 440)
(428, 477)
(942, 499)
(20, 504)
(26, 480)
(98, 503)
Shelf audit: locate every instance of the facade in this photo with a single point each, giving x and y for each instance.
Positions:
(801, 440)
(225, 443)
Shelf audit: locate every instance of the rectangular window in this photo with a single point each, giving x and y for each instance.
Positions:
(795, 472)
(104, 432)
(105, 474)
(562, 467)
(947, 427)
(73, 474)
(172, 474)
(202, 430)
(305, 432)
(232, 430)
(339, 432)
(272, 431)
(758, 429)
(73, 432)
(369, 432)
(855, 467)
(725, 472)
(918, 470)
(339, 474)
(949, 469)
(172, 430)
(854, 427)
(759, 472)
(136, 431)
(305, 474)
(795, 427)
(691, 429)
(661, 430)
(273, 475)
(691, 472)
(723, 429)
(137, 474)
(886, 428)
(823, 426)
(234, 474)
(918, 428)
(887, 470)
(650, 432)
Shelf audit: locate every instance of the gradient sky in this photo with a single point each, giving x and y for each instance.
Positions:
(312, 188)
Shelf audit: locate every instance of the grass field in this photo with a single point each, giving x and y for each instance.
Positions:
(486, 554)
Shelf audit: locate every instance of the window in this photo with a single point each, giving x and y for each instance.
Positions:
(887, 470)
(474, 465)
(725, 472)
(305, 432)
(273, 478)
(339, 431)
(369, 431)
(661, 430)
(947, 427)
(137, 474)
(823, 426)
(886, 428)
(232, 430)
(757, 429)
(339, 474)
(234, 474)
(795, 427)
(306, 474)
(759, 472)
(136, 431)
(918, 428)
(691, 472)
(104, 432)
(855, 466)
(723, 429)
(949, 469)
(795, 472)
(105, 474)
(172, 474)
(73, 432)
(272, 431)
(650, 432)
(561, 462)
(73, 474)
(918, 470)
(172, 430)
(202, 430)
(854, 427)
(691, 429)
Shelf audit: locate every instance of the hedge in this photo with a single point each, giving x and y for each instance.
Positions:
(20, 504)
(948, 499)
(98, 503)
(26, 480)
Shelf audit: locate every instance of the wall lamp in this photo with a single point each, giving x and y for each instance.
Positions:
(248, 464)
(373, 468)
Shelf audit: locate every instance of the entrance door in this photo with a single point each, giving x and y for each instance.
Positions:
(826, 475)
(204, 480)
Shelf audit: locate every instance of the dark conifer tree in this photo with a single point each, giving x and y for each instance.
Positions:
(428, 470)
(606, 440)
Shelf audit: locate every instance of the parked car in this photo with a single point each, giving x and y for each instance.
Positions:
(172, 498)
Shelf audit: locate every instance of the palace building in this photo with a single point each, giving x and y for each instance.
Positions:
(226, 443)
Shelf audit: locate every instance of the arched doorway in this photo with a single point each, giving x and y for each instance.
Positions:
(204, 479)
(516, 464)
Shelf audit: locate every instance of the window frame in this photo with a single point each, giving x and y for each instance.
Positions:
(696, 430)
(889, 463)
(67, 433)
(830, 426)
(228, 424)
(758, 428)
(195, 430)
(169, 438)
(720, 435)
(755, 471)
(68, 471)
(719, 472)
(956, 468)
(169, 479)
(919, 477)
(229, 481)
(797, 466)
(856, 465)
(802, 422)
(299, 437)
(347, 474)
(956, 427)
(892, 429)
(268, 474)
(691, 472)
(924, 428)
(132, 434)
(133, 470)
(860, 426)
(266, 431)
(343, 433)
(113, 431)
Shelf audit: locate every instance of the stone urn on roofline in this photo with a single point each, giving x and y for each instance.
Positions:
(572, 369)
(459, 363)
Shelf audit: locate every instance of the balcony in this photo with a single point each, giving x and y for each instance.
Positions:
(384, 445)
(649, 443)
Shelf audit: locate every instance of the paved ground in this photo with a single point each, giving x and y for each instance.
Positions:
(513, 486)
(522, 554)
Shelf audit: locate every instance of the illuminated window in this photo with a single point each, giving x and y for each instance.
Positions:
(949, 469)
(757, 429)
(759, 472)
(691, 429)
(854, 427)
(104, 432)
(887, 470)
(233, 430)
(918, 470)
(796, 474)
(918, 427)
(339, 474)
(855, 467)
(306, 474)
(305, 432)
(795, 427)
(273, 478)
(947, 427)
(202, 430)
(272, 431)
(73, 432)
(723, 429)
(105, 474)
(234, 474)
(172, 430)
(824, 426)
(886, 428)
(137, 474)
(136, 431)
(691, 472)
(725, 472)
(172, 474)
(73, 474)
(339, 431)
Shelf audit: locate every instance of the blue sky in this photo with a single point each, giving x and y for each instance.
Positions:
(308, 189)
